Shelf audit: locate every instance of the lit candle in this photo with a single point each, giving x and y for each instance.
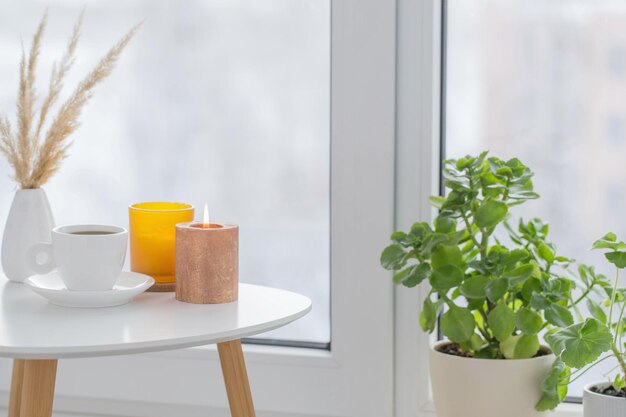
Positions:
(207, 261)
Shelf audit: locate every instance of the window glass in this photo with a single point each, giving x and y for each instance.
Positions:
(545, 81)
(218, 102)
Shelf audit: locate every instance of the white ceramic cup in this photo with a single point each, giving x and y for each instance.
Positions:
(86, 262)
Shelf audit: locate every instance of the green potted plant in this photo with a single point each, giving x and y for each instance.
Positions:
(493, 300)
(601, 337)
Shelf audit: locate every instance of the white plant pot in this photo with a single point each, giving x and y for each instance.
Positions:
(468, 387)
(599, 405)
(30, 221)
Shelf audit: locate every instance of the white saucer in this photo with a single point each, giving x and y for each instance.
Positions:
(50, 286)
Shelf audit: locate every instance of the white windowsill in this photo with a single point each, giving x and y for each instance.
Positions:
(569, 410)
(563, 410)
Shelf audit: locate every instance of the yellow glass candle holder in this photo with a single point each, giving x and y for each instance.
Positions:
(153, 238)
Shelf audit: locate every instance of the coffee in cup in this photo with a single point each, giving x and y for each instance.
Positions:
(89, 257)
(92, 233)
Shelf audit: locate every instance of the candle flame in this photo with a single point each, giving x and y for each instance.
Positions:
(205, 221)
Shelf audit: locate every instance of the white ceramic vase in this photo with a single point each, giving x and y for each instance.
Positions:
(469, 387)
(30, 221)
(598, 405)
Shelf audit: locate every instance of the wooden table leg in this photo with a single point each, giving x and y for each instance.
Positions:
(37, 388)
(16, 388)
(236, 379)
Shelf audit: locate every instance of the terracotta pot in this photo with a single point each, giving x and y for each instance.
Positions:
(469, 387)
(30, 222)
(599, 405)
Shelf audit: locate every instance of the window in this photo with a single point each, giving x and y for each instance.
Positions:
(223, 102)
(543, 81)
(359, 163)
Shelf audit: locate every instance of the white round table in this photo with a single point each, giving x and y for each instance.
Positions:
(36, 333)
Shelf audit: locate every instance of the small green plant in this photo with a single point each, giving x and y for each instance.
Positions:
(495, 299)
(581, 346)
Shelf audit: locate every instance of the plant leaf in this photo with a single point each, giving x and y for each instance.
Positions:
(519, 275)
(528, 320)
(515, 256)
(521, 346)
(487, 352)
(554, 386)
(617, 258)
(496, 289)
(596, 310)
(445, 224)
(558, 315)
(420, 229)
(398, 236)
(609, 237)
(490, 213)
(446, 277)
(501, 321)
(436, 201)
(539, 301)
(446, 255)
(582, 343)
(475, 287)
(431, 241)
(608, 241)
(402, 275)
(428, 315)
(527, 346)
(531, 287)
(545, 252)
(458, 324)
(393, 257)
(412, 275)
(474, 343)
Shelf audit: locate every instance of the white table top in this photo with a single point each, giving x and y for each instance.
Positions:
(32, 328)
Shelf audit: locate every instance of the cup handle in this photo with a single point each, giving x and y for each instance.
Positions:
(33, 258)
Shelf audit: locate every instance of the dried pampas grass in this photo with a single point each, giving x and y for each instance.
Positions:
(33, 160)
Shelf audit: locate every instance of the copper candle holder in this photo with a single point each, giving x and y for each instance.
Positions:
(207, 263)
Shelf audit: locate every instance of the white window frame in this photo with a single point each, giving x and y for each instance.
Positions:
(384, 165)
(354, 378)
(418, 133)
